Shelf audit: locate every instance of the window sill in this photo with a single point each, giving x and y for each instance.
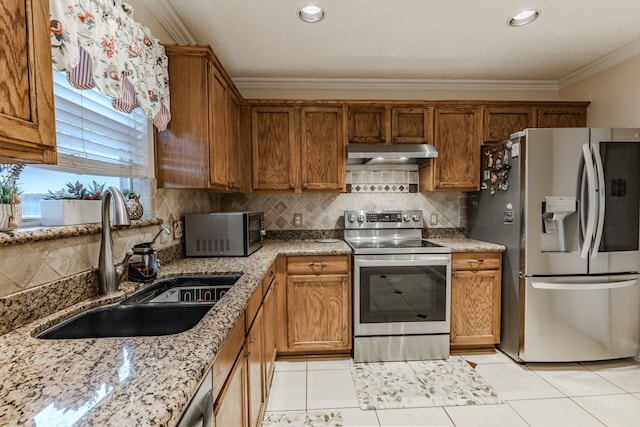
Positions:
(37, 234)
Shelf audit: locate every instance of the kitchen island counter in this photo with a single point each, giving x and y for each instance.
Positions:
(129, 381)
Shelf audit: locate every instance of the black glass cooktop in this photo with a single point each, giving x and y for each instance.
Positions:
(396, 246)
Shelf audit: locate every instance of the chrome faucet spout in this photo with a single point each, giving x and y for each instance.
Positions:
(109, 274)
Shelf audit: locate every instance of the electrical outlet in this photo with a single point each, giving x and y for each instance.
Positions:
(177, 230)
(434, 218)
(297, 220)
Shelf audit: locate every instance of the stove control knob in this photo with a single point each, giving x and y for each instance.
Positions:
(406, 217)
(360, 218)
(351, 218)
(416, 217)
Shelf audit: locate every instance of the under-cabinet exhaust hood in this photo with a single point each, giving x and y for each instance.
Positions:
(389, 154)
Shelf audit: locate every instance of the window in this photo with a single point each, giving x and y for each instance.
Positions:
(95, 142)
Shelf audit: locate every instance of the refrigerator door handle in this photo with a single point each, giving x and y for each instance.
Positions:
(592, 193)
(583, 205)
(584, 286)
(601, 201)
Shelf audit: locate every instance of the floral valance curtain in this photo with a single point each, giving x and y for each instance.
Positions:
(100, 45)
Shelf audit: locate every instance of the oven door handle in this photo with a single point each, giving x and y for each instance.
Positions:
(431, 260)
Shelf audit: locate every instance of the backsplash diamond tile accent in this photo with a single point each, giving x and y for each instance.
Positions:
(379, 181)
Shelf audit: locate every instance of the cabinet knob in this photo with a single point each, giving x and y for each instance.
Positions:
(344, 279)
(455, 275)
(231, 183)
(247, 354)
(395, 139)
(252, 341)
(305, 186)
(383, 138)
(292, 186)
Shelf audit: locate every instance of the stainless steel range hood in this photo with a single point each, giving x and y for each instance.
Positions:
(389, 154)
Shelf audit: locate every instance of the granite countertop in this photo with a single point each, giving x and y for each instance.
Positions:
(135, 380)
(465, 244)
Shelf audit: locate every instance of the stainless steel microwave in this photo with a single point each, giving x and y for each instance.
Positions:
(223, 234)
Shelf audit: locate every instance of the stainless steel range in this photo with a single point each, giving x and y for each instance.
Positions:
(402, 287)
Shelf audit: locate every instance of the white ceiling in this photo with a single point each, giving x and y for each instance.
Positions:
(405, 39)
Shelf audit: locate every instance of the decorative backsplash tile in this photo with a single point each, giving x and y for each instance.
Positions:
(382, 181)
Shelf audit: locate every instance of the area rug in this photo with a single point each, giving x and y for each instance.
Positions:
(302, 419)
(451, 382)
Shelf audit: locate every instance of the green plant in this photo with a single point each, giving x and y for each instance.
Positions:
(129, 193)
(9, 190)
(77, 192)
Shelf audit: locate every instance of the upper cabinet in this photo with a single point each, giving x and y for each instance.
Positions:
(558, 116)
(205, 144)
(500, 121)
(27, 122)
(411, 124)
(298, 148)
(457, 138)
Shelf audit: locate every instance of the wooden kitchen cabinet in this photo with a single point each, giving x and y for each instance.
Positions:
(298, 149)
(562, 116)
(317, 305)
(457, 138)
(390, 124)
(27, 122)
(501, 122)
(204, 145)
(475, 300)
(243, 369)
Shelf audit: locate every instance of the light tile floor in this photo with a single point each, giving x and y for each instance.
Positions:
(535, 394)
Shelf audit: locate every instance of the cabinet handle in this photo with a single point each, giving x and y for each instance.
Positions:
(321, 264)
(305, 186)
(292, 186)
(471, 260)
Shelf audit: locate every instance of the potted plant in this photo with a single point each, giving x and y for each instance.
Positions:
(73, 205)
(134, 207)
(10, 208)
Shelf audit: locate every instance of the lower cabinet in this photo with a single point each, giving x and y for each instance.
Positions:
(475, 300)
(243, 369)
(317, 306)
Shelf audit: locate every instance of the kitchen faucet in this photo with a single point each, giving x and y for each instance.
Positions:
(109, 275)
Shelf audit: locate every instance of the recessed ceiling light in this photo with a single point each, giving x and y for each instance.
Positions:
(524, 18)
(311, 13)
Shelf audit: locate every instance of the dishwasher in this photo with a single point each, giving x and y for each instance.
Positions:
(199, 412)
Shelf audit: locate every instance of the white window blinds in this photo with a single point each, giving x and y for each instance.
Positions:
(94, 138)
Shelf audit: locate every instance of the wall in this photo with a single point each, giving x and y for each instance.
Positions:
(614, 94)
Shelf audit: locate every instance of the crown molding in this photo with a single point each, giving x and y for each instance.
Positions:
(627, 52)
(171, 21)
(357, 84)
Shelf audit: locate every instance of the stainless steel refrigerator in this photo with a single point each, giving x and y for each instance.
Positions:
(565, 203)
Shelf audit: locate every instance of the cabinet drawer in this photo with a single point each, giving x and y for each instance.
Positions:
(476, 261)
(322, 264)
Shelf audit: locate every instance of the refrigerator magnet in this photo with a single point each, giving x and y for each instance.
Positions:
(508, 217)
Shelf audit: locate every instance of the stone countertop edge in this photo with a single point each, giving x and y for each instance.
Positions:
(465, 244)
(133, 380)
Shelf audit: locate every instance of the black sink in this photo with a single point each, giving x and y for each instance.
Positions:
(168, 306)
(128, 321)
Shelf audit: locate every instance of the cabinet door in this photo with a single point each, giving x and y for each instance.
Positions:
(457, 137)
(27, 122)
(275, 158)
(270, 307)
(230, 409)
(254, 354)
(412, 125)
(318, 313)
(475, 308)
(322, 152)
(182, 151)
(218, 131)
(238, 146)
(501, 122)
(562, 117)
(369, 124)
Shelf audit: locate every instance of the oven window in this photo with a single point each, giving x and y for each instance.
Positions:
(403, 294)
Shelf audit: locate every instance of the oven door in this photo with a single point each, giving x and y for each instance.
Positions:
(402, 294)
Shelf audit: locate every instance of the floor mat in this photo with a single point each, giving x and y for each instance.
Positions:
(451, 382)
(302, 419)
